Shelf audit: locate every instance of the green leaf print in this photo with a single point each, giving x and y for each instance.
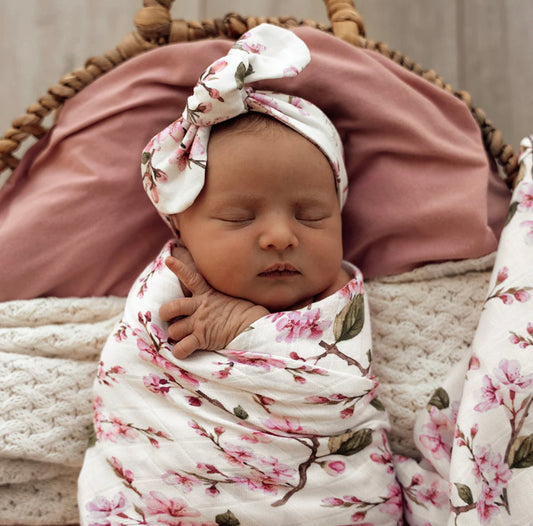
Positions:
(521, 454)
(511, 212)
(240, 73)
(350, 320)
(227, 519)
(439, 399)
(465, 493)
(350, 443)
(239, 412)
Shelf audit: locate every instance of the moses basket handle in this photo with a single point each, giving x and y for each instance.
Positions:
(155, 27)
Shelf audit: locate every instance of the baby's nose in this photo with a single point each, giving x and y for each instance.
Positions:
(278, 234)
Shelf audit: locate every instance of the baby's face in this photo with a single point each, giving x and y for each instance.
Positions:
(267, 225)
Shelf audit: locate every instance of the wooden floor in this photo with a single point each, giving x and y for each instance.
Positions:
(482, 46)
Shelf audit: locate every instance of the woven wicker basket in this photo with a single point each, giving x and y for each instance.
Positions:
(456, 284)
(155, 27)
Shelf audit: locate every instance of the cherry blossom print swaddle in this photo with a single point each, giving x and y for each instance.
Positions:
(282, 427)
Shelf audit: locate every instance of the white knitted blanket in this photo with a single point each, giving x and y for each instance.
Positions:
(422, 321)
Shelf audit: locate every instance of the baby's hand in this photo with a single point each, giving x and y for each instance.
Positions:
(208, 319)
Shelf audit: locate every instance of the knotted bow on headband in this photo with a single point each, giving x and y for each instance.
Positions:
(175, 160)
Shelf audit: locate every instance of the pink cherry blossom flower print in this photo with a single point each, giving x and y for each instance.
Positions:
(157, 265)
(120, 429)
(433, 495)
(291, 71)
(197, 148)
(238, 455)
(185, 481)
(265, 103)
(212, 491)
(347, 413)
(256, 437)
(385, 457)
(278, 470)
(332, 501)
(481, 462)
(262, 361)
(193, 401)
(503, 274)
(352, 288)
(301, 324)
(438, 433)
(522, 296)
(525, 197)
(393, 505)
(120, 333)
(529, 234)
(514, 339)
(490, 395)
(474, 363)
(359, 516)
(156, 385)
(169, 511)
(253, 47)
(284, 425)
(217, 66)
(108, 376)
(507, 299)
(198, 428)
(101, 509)
(124, 474)
(508, 373)
(257, 481)
(299, 104)
(494, 474)
(174, 130)
(486, 509)
(333, 468)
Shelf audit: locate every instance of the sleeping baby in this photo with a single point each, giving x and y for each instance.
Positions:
(237, 389)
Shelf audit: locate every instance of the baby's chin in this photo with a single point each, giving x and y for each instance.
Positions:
(288, 304)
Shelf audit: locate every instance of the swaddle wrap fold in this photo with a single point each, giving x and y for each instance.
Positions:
(274, 429)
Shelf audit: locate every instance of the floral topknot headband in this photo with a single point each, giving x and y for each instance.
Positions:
(174, 161)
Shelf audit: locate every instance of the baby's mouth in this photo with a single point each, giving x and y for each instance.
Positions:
(279, 270)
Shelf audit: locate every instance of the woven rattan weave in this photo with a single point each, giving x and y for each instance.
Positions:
(155, 27)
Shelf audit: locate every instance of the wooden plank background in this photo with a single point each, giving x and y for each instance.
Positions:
(482, 46)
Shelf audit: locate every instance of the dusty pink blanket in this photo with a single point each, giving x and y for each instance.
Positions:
(421, 187)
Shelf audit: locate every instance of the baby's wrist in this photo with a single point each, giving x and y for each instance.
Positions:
(252, 315)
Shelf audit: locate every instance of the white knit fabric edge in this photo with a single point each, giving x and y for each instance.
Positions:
(422, 322)
(49, 350)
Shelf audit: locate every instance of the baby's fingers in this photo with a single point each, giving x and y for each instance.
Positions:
(177, 308)
(188, 275)
(181, 328)
(186, 347)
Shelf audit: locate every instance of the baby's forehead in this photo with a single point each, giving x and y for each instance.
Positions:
(252, 122)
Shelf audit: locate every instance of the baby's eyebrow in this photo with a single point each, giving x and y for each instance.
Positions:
(235, 199)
